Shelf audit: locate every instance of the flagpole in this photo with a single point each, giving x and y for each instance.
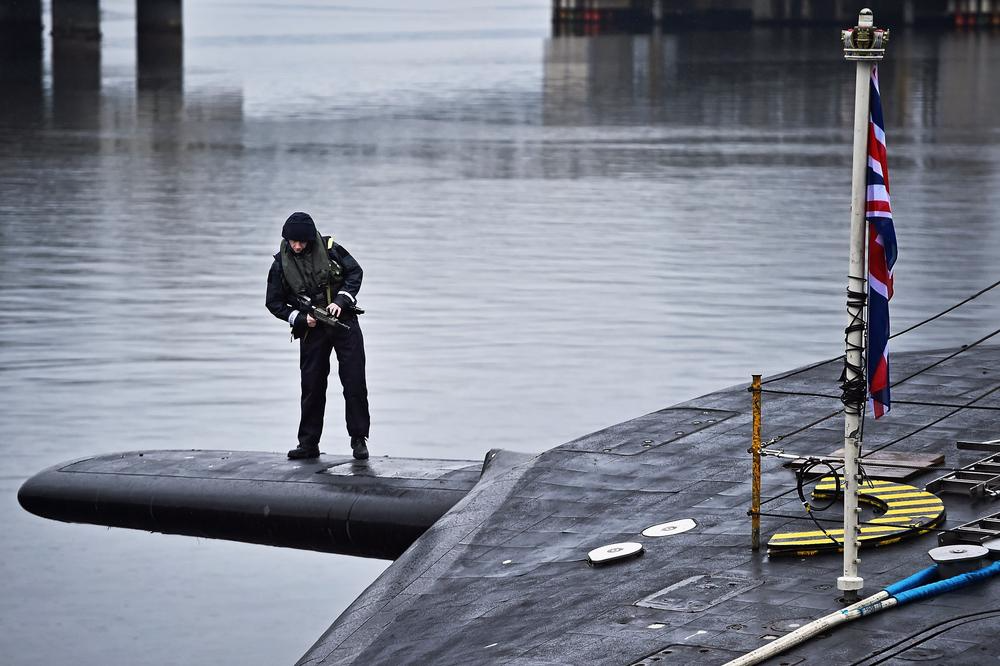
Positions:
(865, 45)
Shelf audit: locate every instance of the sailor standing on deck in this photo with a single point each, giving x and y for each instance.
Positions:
(312, 265)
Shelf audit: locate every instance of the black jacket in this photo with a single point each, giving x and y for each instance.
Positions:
(278, 299)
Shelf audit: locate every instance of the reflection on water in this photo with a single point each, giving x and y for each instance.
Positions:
(558, 233)
(760, 78)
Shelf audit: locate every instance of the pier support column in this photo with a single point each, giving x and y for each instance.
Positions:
(159, 61)
(158, 16)
(160, 82)
(20, 19)
(21, 70)
(77, 19)
(76, 83)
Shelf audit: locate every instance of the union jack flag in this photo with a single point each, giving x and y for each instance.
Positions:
(881, 255)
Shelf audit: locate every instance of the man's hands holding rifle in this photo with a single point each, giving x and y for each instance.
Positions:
(329, 316)
(334, 310)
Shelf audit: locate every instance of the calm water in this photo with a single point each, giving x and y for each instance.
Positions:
(558, 234)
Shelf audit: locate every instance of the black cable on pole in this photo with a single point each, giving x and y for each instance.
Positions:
(853, 385)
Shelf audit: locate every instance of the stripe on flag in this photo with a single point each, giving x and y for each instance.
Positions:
(881, 255)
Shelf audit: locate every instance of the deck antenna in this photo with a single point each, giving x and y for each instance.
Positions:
(864, 44)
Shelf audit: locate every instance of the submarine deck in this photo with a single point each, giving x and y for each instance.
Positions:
(503, 577)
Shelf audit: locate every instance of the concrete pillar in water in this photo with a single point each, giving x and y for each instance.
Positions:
(21, 68)
(20, 18)
(163, 16)
(76, 83)
(160, 83)
(78, 19)
(159, 61)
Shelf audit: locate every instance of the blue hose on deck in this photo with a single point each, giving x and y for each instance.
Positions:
(946, 585)
(911, 588)
(920, 578)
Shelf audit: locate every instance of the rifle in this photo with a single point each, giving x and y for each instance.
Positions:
(321, 315)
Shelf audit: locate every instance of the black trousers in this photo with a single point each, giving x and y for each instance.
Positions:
(314, 362)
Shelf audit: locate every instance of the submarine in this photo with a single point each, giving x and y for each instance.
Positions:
(494, 561)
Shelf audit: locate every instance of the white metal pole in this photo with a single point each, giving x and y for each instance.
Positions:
(865, 45)
(851, 582)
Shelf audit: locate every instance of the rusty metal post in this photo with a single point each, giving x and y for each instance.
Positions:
(755, 450)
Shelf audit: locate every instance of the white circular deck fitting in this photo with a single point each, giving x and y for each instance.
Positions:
(613, 552)
(669, 529)
(958, 558)
(958, 552)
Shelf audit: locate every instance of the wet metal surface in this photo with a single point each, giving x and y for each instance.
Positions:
(458, 588)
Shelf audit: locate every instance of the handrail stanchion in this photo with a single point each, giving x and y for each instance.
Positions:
(755, 450)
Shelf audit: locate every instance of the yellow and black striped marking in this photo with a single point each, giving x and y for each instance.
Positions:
(904, 511)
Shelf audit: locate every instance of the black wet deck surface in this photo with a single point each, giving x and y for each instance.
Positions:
(502, 578)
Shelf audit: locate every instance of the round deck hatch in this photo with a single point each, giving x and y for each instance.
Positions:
(614, 552)
(669, 529)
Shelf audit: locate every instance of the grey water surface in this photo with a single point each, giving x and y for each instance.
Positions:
(558, 233)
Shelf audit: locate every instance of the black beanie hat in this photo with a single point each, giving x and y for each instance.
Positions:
(299, 227)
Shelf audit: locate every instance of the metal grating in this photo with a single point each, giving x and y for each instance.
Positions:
(977, 531)
(980, 479)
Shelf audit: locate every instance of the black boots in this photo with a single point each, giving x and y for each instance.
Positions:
(359, 448)
(299, 453)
